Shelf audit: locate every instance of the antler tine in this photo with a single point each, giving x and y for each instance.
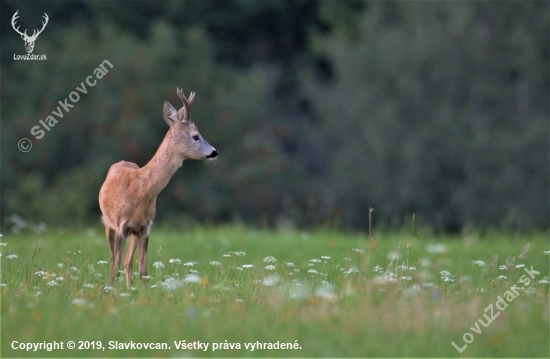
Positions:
(44, 23)
(35, 33)
(191, 98)
(180, 94)
(186, 101)
(13, 20)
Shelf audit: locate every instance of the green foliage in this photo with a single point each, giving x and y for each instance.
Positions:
(439, 109)
(336, 294)
(319, 109)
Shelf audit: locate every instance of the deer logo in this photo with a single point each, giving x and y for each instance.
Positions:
(29, 40)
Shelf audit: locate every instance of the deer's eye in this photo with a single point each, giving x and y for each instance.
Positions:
(196, 137)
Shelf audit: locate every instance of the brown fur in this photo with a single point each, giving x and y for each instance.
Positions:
(128, 196)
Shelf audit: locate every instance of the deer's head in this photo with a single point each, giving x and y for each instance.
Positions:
(29, 40)
(185, 136)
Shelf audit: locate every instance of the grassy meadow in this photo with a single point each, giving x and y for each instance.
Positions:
(258, 293)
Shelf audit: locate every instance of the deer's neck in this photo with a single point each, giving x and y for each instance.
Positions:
(161, 167)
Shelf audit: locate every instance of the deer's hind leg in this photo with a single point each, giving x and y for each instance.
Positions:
(110, 234)
(120, 239)
(128, 260)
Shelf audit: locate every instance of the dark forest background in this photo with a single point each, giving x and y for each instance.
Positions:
(319, 109)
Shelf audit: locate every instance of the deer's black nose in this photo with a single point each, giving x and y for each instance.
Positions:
(213, 154)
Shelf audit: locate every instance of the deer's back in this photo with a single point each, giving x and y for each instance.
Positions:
(121, 197)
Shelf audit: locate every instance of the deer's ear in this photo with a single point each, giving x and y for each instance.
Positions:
(170, 114)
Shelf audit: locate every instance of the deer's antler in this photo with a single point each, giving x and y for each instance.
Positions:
(43, 26)
(24, 34)
(185, 112)
(13, 20)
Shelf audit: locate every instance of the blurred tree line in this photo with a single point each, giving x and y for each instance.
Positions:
(319, 109)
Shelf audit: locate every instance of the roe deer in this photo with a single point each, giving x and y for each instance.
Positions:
(128, 196)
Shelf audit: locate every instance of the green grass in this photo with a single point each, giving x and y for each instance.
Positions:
(357, 303)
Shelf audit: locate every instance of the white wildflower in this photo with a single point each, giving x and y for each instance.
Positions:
(192, 278)
(271, 280)
(390, 277)
(437, 248)
(78, 302)
(352, 270)
(270, 259)
(270, 267)
(158, 265)
(325, 292)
